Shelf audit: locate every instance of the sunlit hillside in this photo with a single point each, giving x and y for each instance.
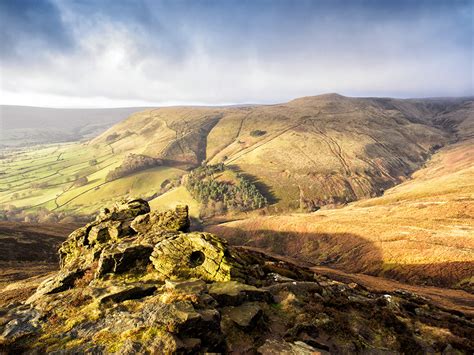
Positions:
(310, 152)
(420, 231)
(71, 178)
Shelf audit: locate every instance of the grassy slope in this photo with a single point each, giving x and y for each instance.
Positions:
(28, 251)
(57, 166)
(326, 149)
(177, 196)
(421, 231)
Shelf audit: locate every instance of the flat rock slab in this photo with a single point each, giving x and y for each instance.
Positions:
(122, 293)
(246, 316)
(192, 286)
(281, 347)
(233, 293)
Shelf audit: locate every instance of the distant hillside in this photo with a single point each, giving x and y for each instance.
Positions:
(24, 125)
(312, 151)
(420, 231)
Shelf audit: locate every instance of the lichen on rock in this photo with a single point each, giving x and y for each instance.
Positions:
(128, 238)
(200, 255)
(135, 281)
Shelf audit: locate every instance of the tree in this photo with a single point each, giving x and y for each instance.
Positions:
(81, 181)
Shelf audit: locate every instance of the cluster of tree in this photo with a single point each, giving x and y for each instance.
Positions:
(222, 196)
(111, 138)
(257, 133)
(114, 137)
(41, 215)
(81, 181)
(132, 164)
(39, 185)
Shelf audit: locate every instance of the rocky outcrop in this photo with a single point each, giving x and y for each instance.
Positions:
(176, 220)
(134, 281)
(200, 255)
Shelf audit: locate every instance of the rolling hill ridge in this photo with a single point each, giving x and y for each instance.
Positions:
(309, 152)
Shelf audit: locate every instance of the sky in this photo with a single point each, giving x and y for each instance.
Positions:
(115, 53)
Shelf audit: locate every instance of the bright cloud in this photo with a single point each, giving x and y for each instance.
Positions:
(122, 53)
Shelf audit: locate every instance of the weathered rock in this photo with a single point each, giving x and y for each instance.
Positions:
(183, 319)
(25, 322)
(299, 287)
(155, 289)
(123, 257)
(177, 220)
(84, 244)
(108, 231)
(246, 315)
(122, 293)
(280, 347)
(61, 282)
(193, 286)
(279, 278)
(198, 255)
(232, 293)
(128, 209)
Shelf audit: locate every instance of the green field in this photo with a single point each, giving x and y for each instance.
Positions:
(46, 177)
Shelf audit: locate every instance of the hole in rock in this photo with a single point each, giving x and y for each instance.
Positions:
(196, 258)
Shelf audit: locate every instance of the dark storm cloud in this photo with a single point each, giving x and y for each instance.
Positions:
(29, 28)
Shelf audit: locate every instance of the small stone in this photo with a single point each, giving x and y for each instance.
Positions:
(277, 347)
(279, 278)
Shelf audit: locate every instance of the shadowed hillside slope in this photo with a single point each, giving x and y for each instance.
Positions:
(421, 231)
(308, 152)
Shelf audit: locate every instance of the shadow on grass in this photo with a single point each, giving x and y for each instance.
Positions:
(264, 189)
(348, 252)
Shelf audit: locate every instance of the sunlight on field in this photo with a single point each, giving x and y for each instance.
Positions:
(177, 196)
(47, 177)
